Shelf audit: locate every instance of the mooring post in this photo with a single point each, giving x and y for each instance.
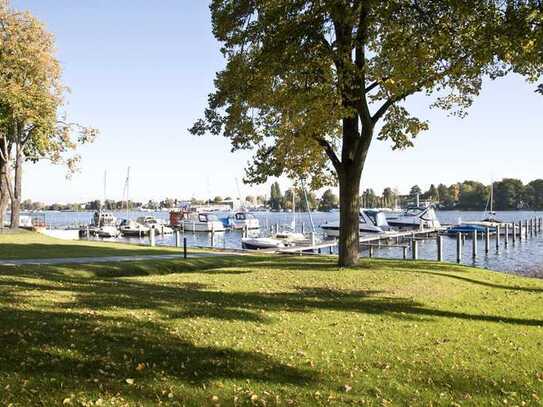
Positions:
(514, 232)
(414, 249)
(526, 229)
(520, 231)
(177, 239)
(459, 238)
(212, 239)
(370, 251)
(404, 252)
(474, 244)
(152, 237)
(185, 247)
(506, 236)
(531, 227)
(439, 241)
(497, 238)
(487, 240)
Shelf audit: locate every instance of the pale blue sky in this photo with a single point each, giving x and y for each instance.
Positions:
(141, 70)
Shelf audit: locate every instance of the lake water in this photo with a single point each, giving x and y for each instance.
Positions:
(525, 257)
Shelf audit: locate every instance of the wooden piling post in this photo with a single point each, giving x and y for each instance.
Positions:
(152, 237)
(487, 240)
(514, 233)
(474, 245)
(414, 249)
(439, 241)
(404, 252)
(370, 251)
(531, 227)
(526, 229)
(497, 238)
(459, 238)
(506, 236)
(520, 231)
(185, 247)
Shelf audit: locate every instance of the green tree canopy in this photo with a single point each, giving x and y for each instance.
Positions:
(307, 82)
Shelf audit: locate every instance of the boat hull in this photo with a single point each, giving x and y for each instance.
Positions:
(191, 226)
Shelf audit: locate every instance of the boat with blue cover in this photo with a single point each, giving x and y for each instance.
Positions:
(468, 229)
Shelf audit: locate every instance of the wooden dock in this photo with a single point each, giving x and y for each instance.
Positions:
(367, 240)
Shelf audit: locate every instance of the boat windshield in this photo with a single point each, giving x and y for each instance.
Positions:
(413, 211)
(372, 216)
(207, 217)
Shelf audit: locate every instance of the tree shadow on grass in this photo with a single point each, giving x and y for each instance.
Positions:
(96, 353)
(453, 271)
(215, 264)
(189, 300)
(79, 340)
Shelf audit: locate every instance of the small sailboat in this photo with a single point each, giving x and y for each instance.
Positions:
(261, 243)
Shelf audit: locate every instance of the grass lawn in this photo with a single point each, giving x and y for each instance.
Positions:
(31, 245)
(257, 330)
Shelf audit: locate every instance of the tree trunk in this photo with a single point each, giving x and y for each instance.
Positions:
(17, 184)
(349, 201)
(4, 193)
(4, 187)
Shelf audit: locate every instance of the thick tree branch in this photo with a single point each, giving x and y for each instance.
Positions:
(360, 62)
(330, 152)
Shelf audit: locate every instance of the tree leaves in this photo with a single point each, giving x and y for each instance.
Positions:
(298, 71)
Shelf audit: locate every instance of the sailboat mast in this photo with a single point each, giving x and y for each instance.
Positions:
(308, 208)
(491, 197)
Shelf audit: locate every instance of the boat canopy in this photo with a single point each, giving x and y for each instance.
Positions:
(376, 217)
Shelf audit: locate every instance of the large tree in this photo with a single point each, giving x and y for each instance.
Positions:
(32, 126)
(309, 84)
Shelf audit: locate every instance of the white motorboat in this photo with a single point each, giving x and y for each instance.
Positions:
(202, 222)
(290, 237)
(260, 243)
(370, 221)
(133, 229)
(421, 216)
(243, 221)
(104, 225)
(153, 223)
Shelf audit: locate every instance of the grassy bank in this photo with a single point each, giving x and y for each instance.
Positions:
(31, 245)
(264, 331)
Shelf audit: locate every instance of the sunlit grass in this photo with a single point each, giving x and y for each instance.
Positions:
(266, 331)
(31, 245)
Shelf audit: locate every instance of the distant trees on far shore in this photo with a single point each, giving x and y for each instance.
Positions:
(508, 194)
